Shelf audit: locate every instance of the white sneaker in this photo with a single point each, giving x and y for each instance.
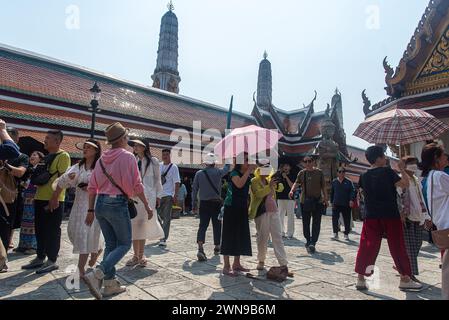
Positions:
(94, 281)
(162, 243)
(346, 237)
(335, 237)
(112, 287)
(410, 285)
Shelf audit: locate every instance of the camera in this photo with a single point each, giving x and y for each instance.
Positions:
(278, 176)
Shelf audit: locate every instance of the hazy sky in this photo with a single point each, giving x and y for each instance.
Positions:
(312, 45)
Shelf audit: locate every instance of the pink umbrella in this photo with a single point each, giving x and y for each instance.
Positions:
(251, 139)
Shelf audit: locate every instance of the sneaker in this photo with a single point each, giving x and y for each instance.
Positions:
(361, 285)
(132, 262)
(410, 285)
(29, 252)
(217, 251)
(346, 237)
(201, 256)
(112, 287)
(94, 281)
(48, 267)
(290, 238)
(312, 249)
(335, 237)
(162, 243)
(261, 266)
(34, 264)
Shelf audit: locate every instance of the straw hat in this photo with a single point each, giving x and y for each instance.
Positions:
(80, 145)
(115, 132)
(133, 142)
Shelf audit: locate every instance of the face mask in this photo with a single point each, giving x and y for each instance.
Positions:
(412, 167)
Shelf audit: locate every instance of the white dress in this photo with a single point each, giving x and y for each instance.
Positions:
(142, 228)
(85, 239)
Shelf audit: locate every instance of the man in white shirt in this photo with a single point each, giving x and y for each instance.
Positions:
(170, 184)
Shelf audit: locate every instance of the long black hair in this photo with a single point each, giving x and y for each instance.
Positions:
(429, 156)
(97, 154)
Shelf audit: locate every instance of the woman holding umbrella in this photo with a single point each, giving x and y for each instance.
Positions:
(236, 239)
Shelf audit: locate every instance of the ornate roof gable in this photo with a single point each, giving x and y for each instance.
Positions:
(427, 49)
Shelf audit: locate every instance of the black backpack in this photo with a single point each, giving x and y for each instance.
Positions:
(41, 174)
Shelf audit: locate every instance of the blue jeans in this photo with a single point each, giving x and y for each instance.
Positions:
(113, 216)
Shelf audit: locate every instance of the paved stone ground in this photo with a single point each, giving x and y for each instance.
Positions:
(174, 273)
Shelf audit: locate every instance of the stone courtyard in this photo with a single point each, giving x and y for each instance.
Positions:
(175, 274)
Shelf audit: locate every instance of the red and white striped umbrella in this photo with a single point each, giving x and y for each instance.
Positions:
(401, 127)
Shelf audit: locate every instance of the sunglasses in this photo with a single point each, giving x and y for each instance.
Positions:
(308, 161)
(341, 171)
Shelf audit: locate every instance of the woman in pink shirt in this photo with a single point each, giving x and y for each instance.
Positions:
(111, 208)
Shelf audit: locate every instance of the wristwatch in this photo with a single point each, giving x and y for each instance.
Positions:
(91, 210)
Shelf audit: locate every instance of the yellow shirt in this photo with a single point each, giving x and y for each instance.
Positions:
(58, 167)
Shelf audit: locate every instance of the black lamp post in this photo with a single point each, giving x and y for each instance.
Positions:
(95, 95)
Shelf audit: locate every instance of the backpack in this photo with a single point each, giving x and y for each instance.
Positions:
(8, 186)
(41, 174)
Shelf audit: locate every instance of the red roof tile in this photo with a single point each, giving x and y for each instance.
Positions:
(69, 84)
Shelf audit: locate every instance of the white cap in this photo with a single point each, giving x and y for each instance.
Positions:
(210, 159)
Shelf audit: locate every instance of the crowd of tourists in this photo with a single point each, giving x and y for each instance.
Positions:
(124, 200)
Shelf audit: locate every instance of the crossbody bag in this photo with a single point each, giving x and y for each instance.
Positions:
(164, 175)
(218, 200)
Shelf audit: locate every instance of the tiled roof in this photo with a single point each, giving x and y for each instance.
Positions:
(68, 119)
(42, 78)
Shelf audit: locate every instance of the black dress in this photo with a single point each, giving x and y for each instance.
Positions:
(236, 238)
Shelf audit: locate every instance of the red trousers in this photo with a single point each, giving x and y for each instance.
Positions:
(371, 240)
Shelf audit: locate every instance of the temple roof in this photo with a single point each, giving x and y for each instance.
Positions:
(37, 76)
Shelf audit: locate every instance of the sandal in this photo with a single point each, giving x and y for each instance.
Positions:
(143, 262)
(228, 272)
(241, 269)
(134, 261)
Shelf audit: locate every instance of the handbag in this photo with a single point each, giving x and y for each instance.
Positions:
(278, 274)
(131, 203)
(440, 237)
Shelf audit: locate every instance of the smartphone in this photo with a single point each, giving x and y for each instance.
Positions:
(83, 185)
